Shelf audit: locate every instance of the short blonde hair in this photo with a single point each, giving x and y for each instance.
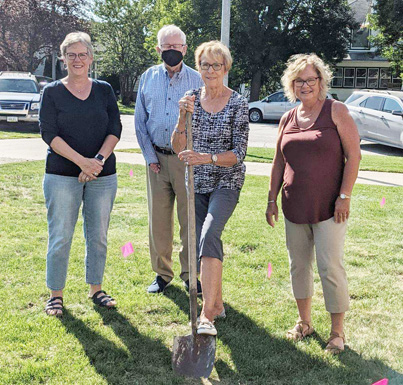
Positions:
(77, 37)
(298, 63)
(217, 50)
(170, 30)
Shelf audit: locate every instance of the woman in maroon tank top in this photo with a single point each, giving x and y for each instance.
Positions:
(315, 166)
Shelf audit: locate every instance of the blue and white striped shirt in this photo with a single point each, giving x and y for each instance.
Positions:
(157, 109)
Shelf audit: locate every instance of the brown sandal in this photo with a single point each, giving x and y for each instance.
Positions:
(298, 333)
(332, 348)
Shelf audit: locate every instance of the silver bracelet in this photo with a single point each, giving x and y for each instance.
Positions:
(271, 202)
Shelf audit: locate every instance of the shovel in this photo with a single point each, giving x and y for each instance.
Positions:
(193, 355)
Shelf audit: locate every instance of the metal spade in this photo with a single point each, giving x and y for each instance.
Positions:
(193, 355)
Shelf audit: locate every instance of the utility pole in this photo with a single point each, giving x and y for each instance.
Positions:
(225, 24)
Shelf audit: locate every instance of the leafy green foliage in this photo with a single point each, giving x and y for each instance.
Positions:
(388, 22)
(120, 29)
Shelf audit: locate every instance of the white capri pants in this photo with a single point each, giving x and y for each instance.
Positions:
(328, 239)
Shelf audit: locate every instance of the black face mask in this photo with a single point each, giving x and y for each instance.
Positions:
(172, 57)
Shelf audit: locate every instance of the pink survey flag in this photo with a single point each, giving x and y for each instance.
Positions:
(269, 270)
(131, 173)
(127, 249)
(383, 201)
(384, 381)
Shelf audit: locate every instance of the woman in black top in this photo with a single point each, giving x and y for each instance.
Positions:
(79, 120)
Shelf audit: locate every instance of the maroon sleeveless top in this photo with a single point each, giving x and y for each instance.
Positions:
(314, 164)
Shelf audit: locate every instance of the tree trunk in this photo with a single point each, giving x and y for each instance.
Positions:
(255, 85)
(125, 91)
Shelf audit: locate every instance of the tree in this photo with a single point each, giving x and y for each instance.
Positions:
(31, 29)
(388, 22)
(120, 30)
(266, 32)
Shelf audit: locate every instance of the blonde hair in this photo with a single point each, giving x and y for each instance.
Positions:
(170, 30)
(298, 63)
(217, 50)
(77, 37)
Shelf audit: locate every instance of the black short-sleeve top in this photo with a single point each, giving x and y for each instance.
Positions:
(82, 124)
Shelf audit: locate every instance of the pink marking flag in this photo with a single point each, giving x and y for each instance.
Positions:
(384, 381)
(269, 270)
(383, 201)
(131, 173)
(127, 249)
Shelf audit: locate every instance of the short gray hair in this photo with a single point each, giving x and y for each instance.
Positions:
(298, 63)
(77, 37)
(169, 30)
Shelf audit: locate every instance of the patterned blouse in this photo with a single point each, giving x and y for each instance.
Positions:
(219, 132)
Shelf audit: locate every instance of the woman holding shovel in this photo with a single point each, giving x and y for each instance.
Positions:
(220, 136)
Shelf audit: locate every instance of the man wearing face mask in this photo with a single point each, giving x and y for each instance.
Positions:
(155, 118)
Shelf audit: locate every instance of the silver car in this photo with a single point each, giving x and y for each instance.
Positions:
(272, 107)
(378, 116)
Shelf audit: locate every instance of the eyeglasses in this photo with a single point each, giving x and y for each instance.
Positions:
(72, 56)
(206, 66)
(311, 82)
(174, 46)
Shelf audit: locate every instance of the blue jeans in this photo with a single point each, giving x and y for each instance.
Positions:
(63, 197)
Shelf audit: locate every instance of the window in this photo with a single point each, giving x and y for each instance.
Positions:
(360, 80)
(373, 76)
(391, 105)
(277, 97)
(384, 78)
(373, 102)
(349, 77)
(337, 80)
(359, 39)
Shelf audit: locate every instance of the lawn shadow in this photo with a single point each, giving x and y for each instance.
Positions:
(141, 360)
(260, 357)
(269, 159)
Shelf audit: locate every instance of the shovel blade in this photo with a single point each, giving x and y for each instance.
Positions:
(193, 356)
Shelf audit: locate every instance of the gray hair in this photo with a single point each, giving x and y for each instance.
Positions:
(169, 30)
(77, 37)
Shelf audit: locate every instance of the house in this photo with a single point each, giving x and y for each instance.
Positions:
(362, 68)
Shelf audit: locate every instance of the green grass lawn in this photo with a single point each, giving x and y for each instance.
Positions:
(133, 344)
(368, 162)
(17, 132)
(126, 110)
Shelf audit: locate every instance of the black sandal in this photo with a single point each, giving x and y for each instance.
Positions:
(51, 304)
(103, 300)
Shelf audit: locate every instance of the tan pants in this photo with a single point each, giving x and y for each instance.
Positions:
(162, 188)
(328, 239)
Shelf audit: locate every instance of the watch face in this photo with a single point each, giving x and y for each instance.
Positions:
(343, 196)
(214, 158)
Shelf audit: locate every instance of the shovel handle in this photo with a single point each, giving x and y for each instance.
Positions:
(191, 229)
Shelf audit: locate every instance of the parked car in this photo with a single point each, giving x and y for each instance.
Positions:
(272, 107)
(19, 97)
(378, 116)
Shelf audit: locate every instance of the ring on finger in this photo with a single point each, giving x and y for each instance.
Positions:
(95, 174)
(87, 179)
(186, 105)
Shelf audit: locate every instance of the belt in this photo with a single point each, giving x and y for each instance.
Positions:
(163, 150)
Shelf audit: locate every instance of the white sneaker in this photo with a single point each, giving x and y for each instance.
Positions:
(206, 328)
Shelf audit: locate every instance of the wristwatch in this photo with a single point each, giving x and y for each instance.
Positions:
(344, 196)
(214, 158)
(100, 157)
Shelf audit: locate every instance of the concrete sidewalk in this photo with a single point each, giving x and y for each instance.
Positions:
(20, 150)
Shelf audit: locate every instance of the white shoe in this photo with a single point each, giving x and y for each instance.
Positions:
(206, 328)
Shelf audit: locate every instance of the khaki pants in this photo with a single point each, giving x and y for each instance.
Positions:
(162, 188)
(328, 239)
